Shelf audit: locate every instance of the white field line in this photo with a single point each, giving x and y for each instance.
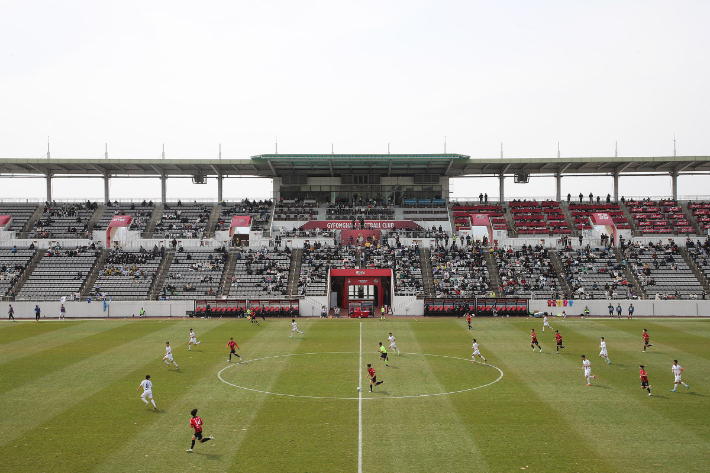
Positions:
(359, 410)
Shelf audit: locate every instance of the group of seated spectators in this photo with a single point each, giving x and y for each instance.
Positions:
(459, 272)
(264, 271)
(595, 273)
(259, 210)
(64, 220)
(526, 271)
(183, 221)
(120, 263)
(317, 259)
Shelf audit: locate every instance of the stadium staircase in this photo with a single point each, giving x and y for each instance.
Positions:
(226, 283)
(630, 276)
(25, 232)
(427, 272)
(693, 221)
(95, 217)
(294, 271)
(94, 273)
(493, 271)
(569, 219)
(212, 221)
(26, 273)
(154, 218)
(561, 275)
(161, 273)
(699, 274)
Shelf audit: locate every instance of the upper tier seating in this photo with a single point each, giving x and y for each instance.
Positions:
(594, 273)
(260, 212)
(261, 273)
(127, 275)
(701, 213)
(463, 211)
(425, 209)
(527, 271)
(12, 263)
(183, 221)
(194, 273)
(664, 217)
(662, 270)
(20, 214)
(581, 213)
(535, 218)
(298, 211)
(64, 220)
(141, 213)
(59, 273)
(348, 211)
(459, 272)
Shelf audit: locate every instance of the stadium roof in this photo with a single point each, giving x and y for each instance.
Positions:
(323, 165)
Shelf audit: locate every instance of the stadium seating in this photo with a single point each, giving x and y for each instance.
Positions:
(459, 272)
(60, 273)
(12, 263)
(261, 273)
(20, 213)
(183, 221)
(463, 211)
(140, 212)
(298, 211)
(665, 217)
(662, 270)
(260, 212)
(407, 272)
(581, 213)
(527, 271)
(127, 275)
(64, 220)
(595, 273)
(316, 260)
(194, 273)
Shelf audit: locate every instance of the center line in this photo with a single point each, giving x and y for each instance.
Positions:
(359, 411)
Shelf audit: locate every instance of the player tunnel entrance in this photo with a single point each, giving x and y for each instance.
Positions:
(364, 287)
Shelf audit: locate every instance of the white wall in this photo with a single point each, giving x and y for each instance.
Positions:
(116, 309)
(642, 307)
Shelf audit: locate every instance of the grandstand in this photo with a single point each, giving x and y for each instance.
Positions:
(385, 217)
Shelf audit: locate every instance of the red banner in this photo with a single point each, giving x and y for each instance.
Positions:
(602, 218)
(359, 236)
(240, 225)
(369, 224)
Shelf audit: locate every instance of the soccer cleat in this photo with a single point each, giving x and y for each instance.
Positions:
(687, 386)
(649, 394)
(189, 450)
(589, 384)
(155, 408)
(608, 362)
(672, 390)
(595, 376)
(211, 437)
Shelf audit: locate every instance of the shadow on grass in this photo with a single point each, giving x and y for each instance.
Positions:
(209, 456)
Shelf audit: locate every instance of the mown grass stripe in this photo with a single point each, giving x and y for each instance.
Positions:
(16, 331)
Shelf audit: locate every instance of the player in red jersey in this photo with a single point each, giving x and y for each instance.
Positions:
(196, 423)
(468, 319)
(558, 337)
(373, 378)
(534, 341)
(644, 379)
(232, 344)
(645, 341)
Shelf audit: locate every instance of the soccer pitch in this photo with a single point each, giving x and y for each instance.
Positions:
(70, 401)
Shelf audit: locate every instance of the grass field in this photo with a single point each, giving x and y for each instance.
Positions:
(70, 402)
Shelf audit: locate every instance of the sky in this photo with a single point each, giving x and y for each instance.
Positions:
(357, 75)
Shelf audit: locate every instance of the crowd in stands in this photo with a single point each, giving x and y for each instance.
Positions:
(140, 213)
(665, 217)
(261, 273)
(259, 210)
(595, 273)
(296, 210)
(459, 272)
(366, 211)
(19, 212)
(196, 272)
(317, 259)
(62, 220)
(183, 221)
(129, 274)
(527, 271)
(13, 262)
(60, 273)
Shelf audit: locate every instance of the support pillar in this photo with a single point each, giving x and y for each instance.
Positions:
(107, 198)
(501, 193)
(163, 188)
(49, 187)
(674, 185)
(219, 187)
(558, 177)
(616, 187)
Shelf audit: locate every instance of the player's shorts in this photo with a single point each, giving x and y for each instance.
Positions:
(169, 357)
(373, 379)
(383, 356)
(198, 435)
(603, 353)
(232, 351)
(677, 378)
(546, 324)
(645, 342)
(476, 353)
(193, 340)
(644, 384)
(559, 344)
(588, 373)
(294, 330)
(393, 346)
(534, 343)
(147, 394)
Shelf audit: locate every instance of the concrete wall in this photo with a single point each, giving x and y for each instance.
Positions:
(642, 307)
(116, 309)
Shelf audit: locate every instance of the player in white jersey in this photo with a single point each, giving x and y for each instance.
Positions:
(169, 355)
(677, 370)
(294, 328)
(476, 352)
(393, 345)
(545, 323)
(587, 367)
(603, 353)
(193, 340)
(147, 386)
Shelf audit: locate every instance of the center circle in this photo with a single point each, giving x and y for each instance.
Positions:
(308, 369)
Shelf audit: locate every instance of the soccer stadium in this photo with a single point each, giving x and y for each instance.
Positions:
(361, 237)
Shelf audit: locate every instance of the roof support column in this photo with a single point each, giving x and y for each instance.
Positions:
(163, 188)
(220, 178)
(616, 186)
(558, 177)
(107, 198)
(501, 193)
(674, 185)
(49, 186)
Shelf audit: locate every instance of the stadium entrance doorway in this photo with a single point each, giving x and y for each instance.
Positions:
(365, 286)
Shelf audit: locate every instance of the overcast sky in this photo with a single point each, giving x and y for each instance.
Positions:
(360, 75)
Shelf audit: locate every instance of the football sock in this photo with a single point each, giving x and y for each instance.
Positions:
(198, 343)
(208, 439)
(146, 402)
(153, 401)
(649, 390)
(167, 362)
(230, 357)
(193, 445)
(684, 384)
